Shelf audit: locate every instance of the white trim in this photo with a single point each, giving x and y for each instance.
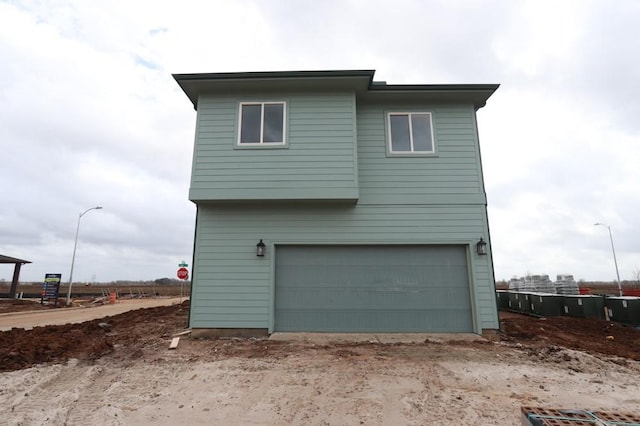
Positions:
(261, 143)
(412, 150)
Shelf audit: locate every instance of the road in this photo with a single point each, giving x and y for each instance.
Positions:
(30, 319)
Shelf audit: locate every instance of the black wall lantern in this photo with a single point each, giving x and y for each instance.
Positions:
(260, 248)
(481, 247)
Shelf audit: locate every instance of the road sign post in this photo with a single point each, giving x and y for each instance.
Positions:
(183, 275)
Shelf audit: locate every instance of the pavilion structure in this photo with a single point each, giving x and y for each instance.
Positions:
(16, 272)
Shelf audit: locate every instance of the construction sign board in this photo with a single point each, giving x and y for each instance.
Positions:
(51, 287)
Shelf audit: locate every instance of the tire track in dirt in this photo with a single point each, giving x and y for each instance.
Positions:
(50, 401)
(24, 384)
(83, 409)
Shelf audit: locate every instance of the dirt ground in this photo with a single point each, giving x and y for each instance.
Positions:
(79, 312)
(21, 305)
(119, 371)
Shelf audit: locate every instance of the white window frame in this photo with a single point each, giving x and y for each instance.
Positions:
(412, 151)
(262, 143)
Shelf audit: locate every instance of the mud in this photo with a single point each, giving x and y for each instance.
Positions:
(589, 335)
(142, 332)
(131, 331)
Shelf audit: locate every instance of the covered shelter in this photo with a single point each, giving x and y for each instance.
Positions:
(16, 272)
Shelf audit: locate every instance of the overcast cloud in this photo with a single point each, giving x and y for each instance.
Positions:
(90, 115)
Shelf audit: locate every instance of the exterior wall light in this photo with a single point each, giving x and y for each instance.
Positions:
(481, 247)
(260, 248)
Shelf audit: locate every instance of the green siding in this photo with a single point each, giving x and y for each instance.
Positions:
(372, 289)
(318, 162)
(225, 251)
(401, 200)
(452, 176)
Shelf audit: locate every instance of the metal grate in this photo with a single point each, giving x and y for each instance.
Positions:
(538, 416)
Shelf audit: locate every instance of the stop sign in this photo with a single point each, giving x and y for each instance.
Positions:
(183, 273)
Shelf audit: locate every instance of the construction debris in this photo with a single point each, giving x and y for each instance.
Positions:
(538, 416)
(174, 343)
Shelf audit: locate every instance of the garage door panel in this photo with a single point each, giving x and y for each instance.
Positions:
(308, 276)
(364, 298)
(413, 321)
(372, 289)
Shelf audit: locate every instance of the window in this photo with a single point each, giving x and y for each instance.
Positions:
(410, 132)
(261, 123)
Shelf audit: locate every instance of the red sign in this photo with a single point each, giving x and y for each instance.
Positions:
(183, 273)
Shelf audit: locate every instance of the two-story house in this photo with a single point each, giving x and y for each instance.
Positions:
(329, 202)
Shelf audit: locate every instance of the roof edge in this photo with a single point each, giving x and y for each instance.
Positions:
(9, 259)
(431, 87)
(273, 74)
(193, 84)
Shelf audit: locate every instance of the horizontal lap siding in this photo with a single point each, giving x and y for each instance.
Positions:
(415, 200)
(228, 273)
(452, 178)
(319, 161)
(453, 172)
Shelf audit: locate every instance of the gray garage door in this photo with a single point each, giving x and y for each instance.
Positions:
(372, 289)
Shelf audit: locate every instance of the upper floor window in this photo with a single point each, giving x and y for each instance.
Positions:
(262, 123)
(410, 132)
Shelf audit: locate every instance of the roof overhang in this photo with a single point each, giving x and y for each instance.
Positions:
(195, 85)
(8, 259)
(359, 81)
(477, 94)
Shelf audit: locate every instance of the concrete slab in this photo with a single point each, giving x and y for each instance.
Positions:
(325, 338)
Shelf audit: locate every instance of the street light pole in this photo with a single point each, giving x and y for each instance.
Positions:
(613, 249)
(75, 246)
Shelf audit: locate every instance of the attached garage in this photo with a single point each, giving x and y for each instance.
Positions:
(404, 288)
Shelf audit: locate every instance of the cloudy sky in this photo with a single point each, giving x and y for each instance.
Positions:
(91, 116)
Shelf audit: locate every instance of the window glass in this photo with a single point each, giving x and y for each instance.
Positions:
(421, 130)
(250, 130)
(273, 120)
(400, 133)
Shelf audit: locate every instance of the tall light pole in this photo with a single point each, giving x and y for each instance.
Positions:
(613, 249)
(75, 246)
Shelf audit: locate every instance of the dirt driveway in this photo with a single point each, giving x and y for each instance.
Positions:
(124, 374)
(28, 319)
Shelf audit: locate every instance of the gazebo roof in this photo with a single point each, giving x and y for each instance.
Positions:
(9, 259)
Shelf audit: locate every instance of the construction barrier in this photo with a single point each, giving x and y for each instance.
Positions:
(584, 306)
(502, 299)
(623, 309)
(547, 305)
